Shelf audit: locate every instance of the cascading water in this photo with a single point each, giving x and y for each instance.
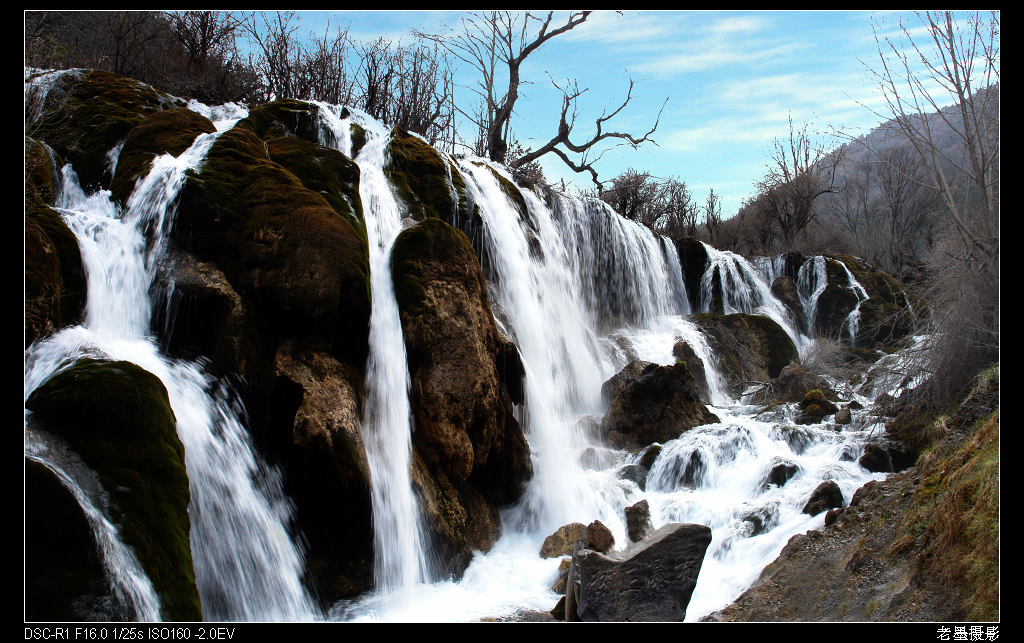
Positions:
(246, 565)
(743, 289)
(852, 321)
(560, 273)
(582, 292)
(401, 551)
(811, 281)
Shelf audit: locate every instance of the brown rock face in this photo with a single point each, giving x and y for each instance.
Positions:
(657, 406)
(470, 442)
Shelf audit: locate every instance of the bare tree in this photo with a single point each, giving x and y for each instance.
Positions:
(948, 82)
(918, 79)
(498, 42)
(799, 173)
(907, 208)
(713, 216)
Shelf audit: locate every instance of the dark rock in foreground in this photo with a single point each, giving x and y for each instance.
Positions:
(652, 581)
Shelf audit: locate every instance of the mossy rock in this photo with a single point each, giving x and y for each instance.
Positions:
(117, 417)
(882, 323)
(432, 240)
(816, 406)
(41, 163)
(64, 575)
(877, 283)
(358, 135)
(461, 399)
(285, 117)
(89, 113)
(325, 171)
(300, 266)
(170, 131)
(55, 281)
(424, 181)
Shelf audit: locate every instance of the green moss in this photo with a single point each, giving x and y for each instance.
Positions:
(423, 181)
(167, 132)
(358, 138)
(301, 266)
(117, 417)
(39, 172)
(286, 117)
(94, 112)
(431, 240)
(325, 171)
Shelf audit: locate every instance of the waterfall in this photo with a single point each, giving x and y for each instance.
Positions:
(811, 280)
(246, 564)
(579, 289)
(743, 289)
(401, 552)
(852, 321)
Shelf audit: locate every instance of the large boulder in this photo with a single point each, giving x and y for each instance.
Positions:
(750, 348)
(656, 406)
(465, 429)
(117, 417)
(315, 435)
(300, 265)
(651, 581)
(55, 282)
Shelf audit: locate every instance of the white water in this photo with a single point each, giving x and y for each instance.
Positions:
(811, 281)
(246, 564)
(401, 550)
(852, 321)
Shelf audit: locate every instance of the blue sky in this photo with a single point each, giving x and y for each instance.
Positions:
(732, 80)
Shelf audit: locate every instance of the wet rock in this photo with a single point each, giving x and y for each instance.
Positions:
(816, 407)
(638, 521)
(749, 348)
(118, 418)
(780, 473)
(683, 352)
(635, 473)
(629, 373)
(826, 496)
